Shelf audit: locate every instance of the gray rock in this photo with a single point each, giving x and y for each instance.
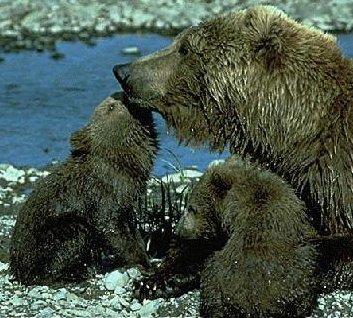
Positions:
(47, 312)
(115, 279)
(115, 303)
(131, 50)
(135, 306)
(119, 290)
(38, 304)
(149, 307)
(61, 294)
(134, 273)
(15, 300)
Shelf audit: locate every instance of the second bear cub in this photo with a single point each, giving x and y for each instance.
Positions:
(82, 213)
(267, 265)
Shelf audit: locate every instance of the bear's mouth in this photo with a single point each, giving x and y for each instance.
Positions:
(140, 102)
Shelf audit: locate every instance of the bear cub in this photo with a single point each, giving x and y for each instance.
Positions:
(266, 266)
(82, 214)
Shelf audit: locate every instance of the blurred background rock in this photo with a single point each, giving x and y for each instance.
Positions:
(38, 23)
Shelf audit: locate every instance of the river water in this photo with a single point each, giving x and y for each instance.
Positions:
(44, 100)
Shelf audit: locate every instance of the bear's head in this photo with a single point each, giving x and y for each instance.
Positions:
(253, 78)
(202, 219)
(118, 133)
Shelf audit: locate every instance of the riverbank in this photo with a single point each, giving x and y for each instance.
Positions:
(109, 295)
(27, 24)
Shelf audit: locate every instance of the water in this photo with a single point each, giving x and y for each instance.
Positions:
(43, 101)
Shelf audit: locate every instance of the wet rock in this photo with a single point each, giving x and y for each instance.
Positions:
(131, 50)
(11, 174)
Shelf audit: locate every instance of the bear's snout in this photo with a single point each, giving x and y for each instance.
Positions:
(122, 73)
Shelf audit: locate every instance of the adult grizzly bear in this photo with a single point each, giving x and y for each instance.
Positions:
(267, 265)
(83, 211)
(271, 89)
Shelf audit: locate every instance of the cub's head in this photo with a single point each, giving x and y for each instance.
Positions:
(203, 219)
(120, 132)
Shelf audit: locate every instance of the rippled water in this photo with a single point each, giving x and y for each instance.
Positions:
(43, 101)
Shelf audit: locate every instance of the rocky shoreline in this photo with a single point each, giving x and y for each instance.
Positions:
(109, 295)
(38, 25)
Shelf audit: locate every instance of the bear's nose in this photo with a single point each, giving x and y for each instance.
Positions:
(122, 73)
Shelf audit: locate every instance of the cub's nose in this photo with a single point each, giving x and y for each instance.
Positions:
(122, 73)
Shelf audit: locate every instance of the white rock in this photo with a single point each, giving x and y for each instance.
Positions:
(181, 176)
(119, 290)
(135, 306)
(133, 273)
(3, 266)
(19, 199)
(17, 301)
(149, 307)
(115, 303)
(12, 174)
(33, 178)
(62, 293)
(131, 50)
(216, 162)
(115, 279)
(124, 302)
(46, 312)
(38, 304)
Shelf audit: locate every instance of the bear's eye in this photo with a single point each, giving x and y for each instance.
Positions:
(110, 108)
(183, 50)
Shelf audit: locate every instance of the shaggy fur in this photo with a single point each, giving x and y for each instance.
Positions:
(82, 213)
(271, 89)
(267, 265)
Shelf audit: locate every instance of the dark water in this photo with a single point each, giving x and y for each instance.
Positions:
(42, 101)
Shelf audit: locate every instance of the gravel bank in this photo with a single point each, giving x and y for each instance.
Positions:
(109, 295)
(28, 24)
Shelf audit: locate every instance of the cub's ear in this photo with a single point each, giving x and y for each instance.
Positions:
(265, 28)
(221, 182)
(80, 142)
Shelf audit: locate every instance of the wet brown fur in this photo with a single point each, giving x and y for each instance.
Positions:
(83, 211)
(271, 89)
(267, 265)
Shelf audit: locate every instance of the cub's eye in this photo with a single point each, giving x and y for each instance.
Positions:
(111, 107)
(183, 50)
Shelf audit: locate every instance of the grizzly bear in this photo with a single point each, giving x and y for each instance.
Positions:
(82, 214)
(266, 267)
(271, 89)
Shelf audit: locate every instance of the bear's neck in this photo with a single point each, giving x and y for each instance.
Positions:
(310, 145)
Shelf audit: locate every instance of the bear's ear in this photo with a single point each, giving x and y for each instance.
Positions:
(265, 29)
(80, 142)
(269, 49)
(221, 182)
